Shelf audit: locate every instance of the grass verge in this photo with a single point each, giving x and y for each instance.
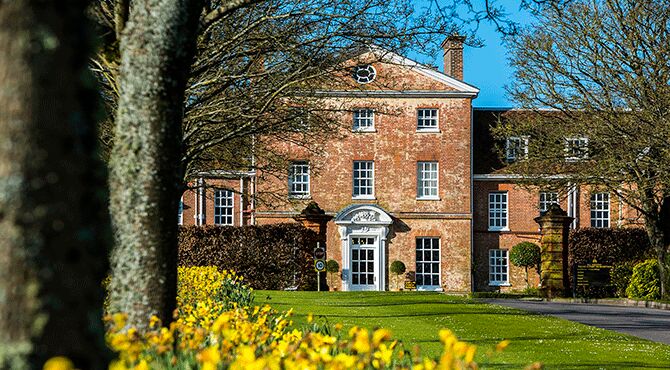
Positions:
(416, 317)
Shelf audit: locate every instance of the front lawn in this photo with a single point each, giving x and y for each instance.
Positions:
(415, 318)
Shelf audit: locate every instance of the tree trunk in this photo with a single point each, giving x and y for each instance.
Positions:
(527, 281)
(657, 225)
(157, 46)
(53, 223)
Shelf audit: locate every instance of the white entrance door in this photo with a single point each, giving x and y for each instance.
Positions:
(363, 263)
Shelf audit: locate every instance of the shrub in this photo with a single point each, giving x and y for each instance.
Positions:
(269, 256)
(198, 284)
(332, 268)
(645, 282)
(398, 268)
(621, 274)
(608, 247)
(525, 254)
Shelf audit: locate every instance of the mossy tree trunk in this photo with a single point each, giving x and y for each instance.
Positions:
(657, 225)
(157, 46)
(53, 218)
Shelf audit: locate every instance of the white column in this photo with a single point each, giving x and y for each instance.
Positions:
(346, 274)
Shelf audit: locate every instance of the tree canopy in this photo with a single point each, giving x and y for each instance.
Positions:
(592, 79)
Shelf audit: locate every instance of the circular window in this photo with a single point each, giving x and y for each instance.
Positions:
(364, 74)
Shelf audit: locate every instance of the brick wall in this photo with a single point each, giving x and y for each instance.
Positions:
(190, 198)
(523, 208)
(396, 147)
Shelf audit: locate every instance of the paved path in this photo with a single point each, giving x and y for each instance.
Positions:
(647, 323)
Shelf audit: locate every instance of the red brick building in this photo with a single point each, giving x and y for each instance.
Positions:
(411, 176)
(504, 212)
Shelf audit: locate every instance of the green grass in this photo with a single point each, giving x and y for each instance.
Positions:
(415, 318)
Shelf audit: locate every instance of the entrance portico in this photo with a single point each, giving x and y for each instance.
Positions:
(363, 229)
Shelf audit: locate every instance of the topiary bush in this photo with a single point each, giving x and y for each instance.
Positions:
(397, 268)
(645, 282)
(332, 268)
(269, 257)
(526, 254)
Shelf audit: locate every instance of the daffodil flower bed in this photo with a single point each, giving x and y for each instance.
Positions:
(219, 328)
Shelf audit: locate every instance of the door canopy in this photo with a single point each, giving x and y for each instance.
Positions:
(363, 214)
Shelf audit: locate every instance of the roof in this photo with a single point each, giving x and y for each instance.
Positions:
(394, 58)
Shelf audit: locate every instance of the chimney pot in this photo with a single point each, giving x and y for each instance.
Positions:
(453, 56)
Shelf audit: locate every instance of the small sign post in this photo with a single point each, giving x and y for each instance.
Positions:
(319, 264)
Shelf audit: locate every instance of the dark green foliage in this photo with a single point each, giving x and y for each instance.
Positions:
(332, 266)
(617, 247)
(525, 254)
(608, 246)
(268, 256)
(397, 267)
(645, 282)
(621, 275)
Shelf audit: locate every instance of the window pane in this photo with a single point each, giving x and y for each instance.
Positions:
(223, 207)
(427, 263)
(498, 267)
(299, 178)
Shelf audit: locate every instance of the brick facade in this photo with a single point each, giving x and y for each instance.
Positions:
(393, 222)
(199, 203)
(523, 205)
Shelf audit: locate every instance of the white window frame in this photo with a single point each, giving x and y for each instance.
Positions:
(516, 148)
(428, 180)
(180, 214)
(364, 120)
(498, 210)
(499, 267)
(369, 172)
(431, 274)
(600, 210)
(582, 143)
(303, 182)
(424, 122)
(224, 207)
(546, 199)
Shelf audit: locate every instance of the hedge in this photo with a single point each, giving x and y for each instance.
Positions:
(608, 246)
(272, 257)
(618, 247)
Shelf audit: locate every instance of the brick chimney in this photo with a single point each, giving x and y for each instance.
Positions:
(453, 56)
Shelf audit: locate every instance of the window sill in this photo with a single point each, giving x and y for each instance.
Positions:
(500, 284)
(300, 197)
(429, 198)
(429, 288)
(497, 230)
(364, 197)
(428, 131)
(363, 130)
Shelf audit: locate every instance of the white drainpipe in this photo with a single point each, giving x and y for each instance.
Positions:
(201, 200)
(241, 200)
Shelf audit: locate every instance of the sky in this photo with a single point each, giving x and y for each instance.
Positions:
(487, 67)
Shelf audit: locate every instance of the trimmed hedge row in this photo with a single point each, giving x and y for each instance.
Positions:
(608, 246)
(272, 257)
(620, 247)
